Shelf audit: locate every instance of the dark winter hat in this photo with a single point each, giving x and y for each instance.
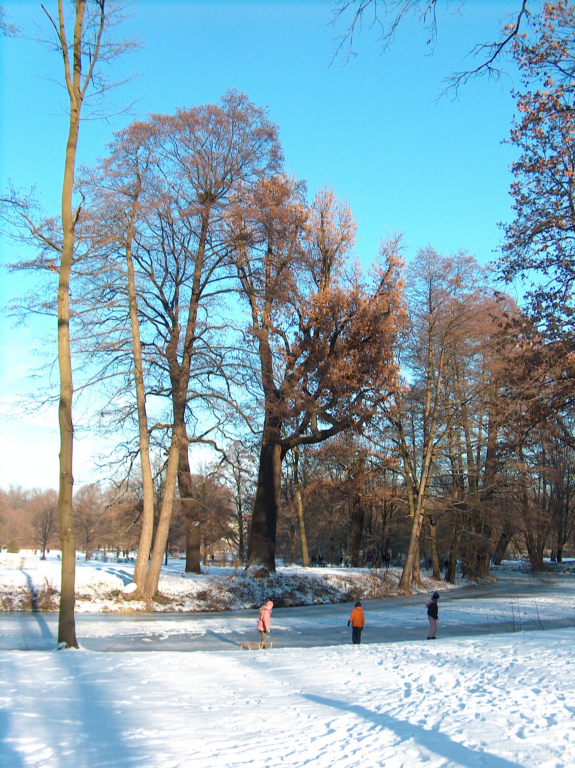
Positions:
(358, 604)
(435, 596)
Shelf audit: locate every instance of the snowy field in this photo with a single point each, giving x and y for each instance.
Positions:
(500, 700)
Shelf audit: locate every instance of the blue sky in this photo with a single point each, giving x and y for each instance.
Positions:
(372, 130)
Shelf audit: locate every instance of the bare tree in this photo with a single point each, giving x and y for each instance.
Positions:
(164, 192)
(445, 299)
(238, 471)
(89, 514)
(44, 512)
(388, 15)
(81, 34)
(5, 27)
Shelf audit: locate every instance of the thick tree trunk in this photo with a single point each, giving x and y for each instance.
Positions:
(186, 489)
(484, 552)
(193, 546)
(535, 555)
(262, 543)
(412, 559)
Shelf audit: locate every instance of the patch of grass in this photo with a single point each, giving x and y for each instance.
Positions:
(161, 599)
(47, 598)
(285, 600)
(8, 603)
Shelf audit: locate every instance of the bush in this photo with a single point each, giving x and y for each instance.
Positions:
(13, 547)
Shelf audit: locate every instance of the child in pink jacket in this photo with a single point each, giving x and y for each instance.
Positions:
(264, 622)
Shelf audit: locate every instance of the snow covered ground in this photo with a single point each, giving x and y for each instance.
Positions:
(499, 700)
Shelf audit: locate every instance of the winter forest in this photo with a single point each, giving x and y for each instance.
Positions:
(413, 410)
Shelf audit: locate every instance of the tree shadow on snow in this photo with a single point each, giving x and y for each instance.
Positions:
(77, 707)
(42, 624)
(433, 740)
(10, 758)
(102, 735)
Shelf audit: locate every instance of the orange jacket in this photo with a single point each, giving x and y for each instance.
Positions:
(357, 618)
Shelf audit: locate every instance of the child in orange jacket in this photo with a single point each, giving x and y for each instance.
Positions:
(357, 621)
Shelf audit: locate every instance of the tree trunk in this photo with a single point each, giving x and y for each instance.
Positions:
(163, 529)
(193, 542)
(535, 555)
(484, 552)
(451, 569)
(186, 490)
(412, 559)
(434, 552)
(333, 559)
(241, 545)
(302, 535)
(416, 572)
(291, 556)
(299, 502)
(262, 543)
(147, 530)
(66, 621)
(502, 543)
(356, 530)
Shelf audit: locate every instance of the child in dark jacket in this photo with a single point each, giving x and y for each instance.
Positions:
(432, 615)
(357, 621)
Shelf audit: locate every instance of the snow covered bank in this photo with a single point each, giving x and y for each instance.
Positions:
(501, 701)
(99, 587)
